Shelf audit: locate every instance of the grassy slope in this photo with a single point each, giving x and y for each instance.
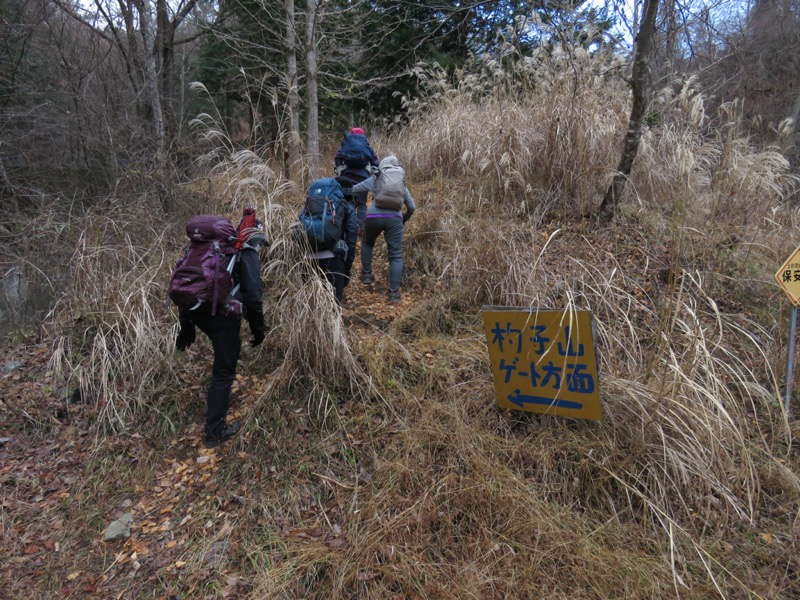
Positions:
(374, 463)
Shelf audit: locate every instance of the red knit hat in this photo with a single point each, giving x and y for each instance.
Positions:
(357, 130)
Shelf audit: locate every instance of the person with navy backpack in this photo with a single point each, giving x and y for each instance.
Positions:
(214, 285)
(328, 230)
(354, 163)
(385, 215)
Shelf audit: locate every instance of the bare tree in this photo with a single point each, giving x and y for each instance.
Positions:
(312, 97)
(293, 86)
(640, 88)
(145, 37)
(150, 84)
(64, 102)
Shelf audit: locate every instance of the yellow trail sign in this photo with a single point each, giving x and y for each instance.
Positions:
(543, 361)
(788, 276)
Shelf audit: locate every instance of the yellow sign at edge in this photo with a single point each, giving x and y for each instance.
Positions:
(789, 278)
(543, 361)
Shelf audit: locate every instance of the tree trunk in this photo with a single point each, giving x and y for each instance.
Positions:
(312, 144)
(165, 51)
(640, 89)
(792, 137)
(294, 97)
(151, 82)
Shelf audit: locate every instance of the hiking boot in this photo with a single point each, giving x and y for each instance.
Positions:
(394, 296)
(366, 278)
(230, 430)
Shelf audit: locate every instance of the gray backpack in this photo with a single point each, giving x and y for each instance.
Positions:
(390, 187)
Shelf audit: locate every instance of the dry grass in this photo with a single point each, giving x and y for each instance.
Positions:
(403, 480)
(463, 501)
(110, 321)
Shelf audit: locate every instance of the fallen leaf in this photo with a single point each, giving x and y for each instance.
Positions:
(73, 576)
(180, 564)
(226, 529)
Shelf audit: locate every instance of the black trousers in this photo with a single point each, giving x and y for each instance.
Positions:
(226, 341)
(334, 270)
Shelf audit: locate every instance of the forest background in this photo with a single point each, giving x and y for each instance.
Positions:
(639, 161)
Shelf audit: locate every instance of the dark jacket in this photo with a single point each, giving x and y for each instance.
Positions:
(360, 174)
(350, 234)
(247, 275)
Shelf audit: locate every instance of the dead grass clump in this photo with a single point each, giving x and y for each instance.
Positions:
(109, 326)
(445, 516)
(684, 398)
(544, 140)
(709, 180)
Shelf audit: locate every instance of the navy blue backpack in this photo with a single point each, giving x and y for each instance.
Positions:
(356, 151)
(322, 214)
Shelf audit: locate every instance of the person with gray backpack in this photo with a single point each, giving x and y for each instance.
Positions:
(385, 215)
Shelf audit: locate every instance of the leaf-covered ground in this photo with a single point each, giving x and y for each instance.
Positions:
(57, 497)
(196, 511)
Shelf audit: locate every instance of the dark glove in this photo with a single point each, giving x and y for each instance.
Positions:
(340, 249)
(406, 217)
(257, 328)
(258, 337)
(185, 337)
(348, 267)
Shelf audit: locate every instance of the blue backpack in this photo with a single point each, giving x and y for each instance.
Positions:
(322, 214)
(355, 151)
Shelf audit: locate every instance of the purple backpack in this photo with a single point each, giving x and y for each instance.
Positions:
(204, 275)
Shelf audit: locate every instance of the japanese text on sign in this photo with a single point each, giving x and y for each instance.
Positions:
(543, 361)
(788, 277)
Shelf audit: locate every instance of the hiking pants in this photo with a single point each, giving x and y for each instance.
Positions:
(392, 229)
(361, 212)
(224, 335)
(334, 268)
(359, 202)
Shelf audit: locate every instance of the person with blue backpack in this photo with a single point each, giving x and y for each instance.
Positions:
(385, 215)
(328, 230)
(354, 163)
(215, 284)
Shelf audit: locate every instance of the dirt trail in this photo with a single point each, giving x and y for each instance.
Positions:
(55, 507)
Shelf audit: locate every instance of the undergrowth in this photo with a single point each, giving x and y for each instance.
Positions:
(395, 476)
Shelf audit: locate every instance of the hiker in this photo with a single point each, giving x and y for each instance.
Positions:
(328, 221)
(353, 164)
(385, 215)
(222, 323)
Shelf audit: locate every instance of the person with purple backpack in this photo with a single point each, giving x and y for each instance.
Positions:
(230, 259)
